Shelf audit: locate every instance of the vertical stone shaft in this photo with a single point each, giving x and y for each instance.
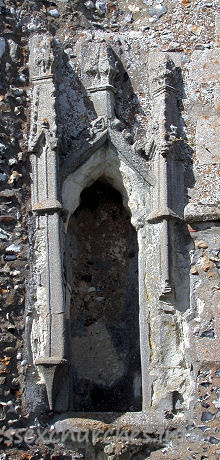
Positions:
(42, 145)
(143, 318)
(165, 247)
(55, 284)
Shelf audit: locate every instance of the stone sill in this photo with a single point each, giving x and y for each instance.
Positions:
(150, 422)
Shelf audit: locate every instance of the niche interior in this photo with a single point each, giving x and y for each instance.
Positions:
(102, 272)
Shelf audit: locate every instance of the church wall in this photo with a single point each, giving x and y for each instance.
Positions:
(182, 327)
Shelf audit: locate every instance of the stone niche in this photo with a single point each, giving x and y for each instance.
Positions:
(102, 267)
(107, 329)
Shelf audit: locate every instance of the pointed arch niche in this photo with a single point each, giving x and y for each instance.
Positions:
(150, 185)
(101, 277)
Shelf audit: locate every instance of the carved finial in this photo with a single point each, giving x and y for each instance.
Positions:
(107, 66)
(100, 65)
(163, 74)
(100, 70)
(41, 56)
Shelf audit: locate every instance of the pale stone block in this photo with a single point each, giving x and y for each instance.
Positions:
(205, 194)
(217, 97)
(205, 66)
(207, 140)
(217, 29)
(208, 352)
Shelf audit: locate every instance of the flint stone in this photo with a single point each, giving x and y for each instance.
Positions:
(4, 235)
(158, 11)
(89, 5)
(128, 18)
(54, 13)
(10, 258)
(2, 46)
(3, 177)
(212, 440)
(13, 248)
(207, 416)
(209, 333)
(201, 244)
(101, 6)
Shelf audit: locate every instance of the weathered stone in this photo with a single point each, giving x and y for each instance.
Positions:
(107, 96)
(217, 97)
(201, 244)
(11, 298)
(217, 30)
(205, 66)
(207, 132)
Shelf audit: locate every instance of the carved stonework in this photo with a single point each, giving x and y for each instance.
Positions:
(43, 146)
(55, 373)
(164, 151)
(151, 186)
(102, 91)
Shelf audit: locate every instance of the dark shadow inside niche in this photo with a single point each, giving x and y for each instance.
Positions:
(104, 306)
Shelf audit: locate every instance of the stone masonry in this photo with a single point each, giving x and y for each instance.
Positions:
(109, 229)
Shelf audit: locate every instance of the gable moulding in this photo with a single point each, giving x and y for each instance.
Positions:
(152, 188)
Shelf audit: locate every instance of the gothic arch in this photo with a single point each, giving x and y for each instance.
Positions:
(105, 163)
